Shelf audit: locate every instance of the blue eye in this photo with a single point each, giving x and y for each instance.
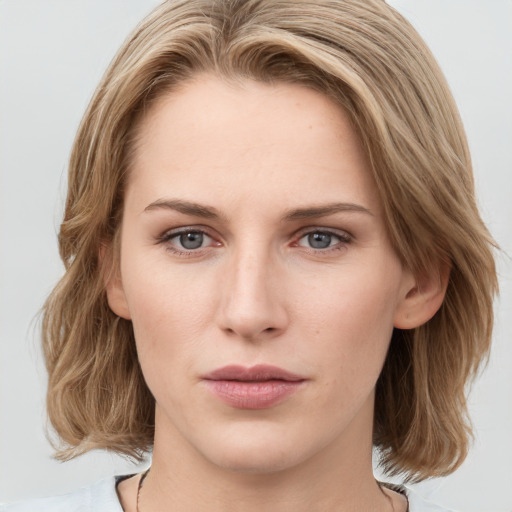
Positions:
(319, 240)
(186, 240)
(322, 240)
(191, 239)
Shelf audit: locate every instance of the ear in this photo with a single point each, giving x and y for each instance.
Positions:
(422, 297)
(112, 281)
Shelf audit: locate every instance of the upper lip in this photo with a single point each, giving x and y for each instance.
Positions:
(258, 373)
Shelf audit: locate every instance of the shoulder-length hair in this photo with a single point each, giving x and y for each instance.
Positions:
(370, 60)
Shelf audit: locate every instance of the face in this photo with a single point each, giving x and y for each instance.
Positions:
(257, 272)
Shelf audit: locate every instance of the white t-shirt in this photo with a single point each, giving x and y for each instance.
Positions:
(102, 497)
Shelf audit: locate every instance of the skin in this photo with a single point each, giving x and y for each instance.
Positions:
(256, 291)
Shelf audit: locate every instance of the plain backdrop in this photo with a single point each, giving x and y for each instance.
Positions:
(52, 54)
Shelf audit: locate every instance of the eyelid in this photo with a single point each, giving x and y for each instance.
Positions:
(340, 233)
(168, 233)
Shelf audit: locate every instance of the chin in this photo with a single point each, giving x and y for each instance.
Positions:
(258, 453)
(257, 461)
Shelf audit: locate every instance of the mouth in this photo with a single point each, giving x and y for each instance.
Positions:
(258, 373)
(257, 387)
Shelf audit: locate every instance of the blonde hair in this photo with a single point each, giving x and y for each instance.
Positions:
(370, 60)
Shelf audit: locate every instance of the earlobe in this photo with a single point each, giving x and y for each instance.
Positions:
(422, 298)
(113, 283)
(117, 299)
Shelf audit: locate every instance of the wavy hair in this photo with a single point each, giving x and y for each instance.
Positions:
(370, 60)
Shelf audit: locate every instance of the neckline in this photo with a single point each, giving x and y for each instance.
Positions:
(400, 489)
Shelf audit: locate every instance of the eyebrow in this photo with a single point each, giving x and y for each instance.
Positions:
(324, 211)
(186, 207)
(209, 212)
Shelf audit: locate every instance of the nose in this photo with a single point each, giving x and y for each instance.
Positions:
(253, 297)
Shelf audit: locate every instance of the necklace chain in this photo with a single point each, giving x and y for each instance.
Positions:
(386, 495)
(145, 474)
(141, 481)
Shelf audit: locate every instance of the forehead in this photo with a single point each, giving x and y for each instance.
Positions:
(214, 139)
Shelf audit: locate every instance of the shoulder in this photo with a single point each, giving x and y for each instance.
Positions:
(100, 497)
(419, 504)
(416, 502)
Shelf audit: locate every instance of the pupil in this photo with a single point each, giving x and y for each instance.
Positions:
(191, 240)
(319, 240)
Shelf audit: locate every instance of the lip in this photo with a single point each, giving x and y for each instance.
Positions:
(258, 373)
(258, 387)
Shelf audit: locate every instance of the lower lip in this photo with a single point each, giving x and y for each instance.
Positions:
(253, 395)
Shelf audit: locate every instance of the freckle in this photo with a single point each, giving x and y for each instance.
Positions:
(310, 127)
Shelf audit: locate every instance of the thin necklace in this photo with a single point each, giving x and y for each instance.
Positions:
(141, 481)
(389, 498)
(145, 474)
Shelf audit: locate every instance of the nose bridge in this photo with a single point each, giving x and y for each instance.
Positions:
(252, 306)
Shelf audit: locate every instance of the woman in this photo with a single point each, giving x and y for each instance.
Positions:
(274, 261)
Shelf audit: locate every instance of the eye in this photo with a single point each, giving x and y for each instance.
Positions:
(191, 239)
(319, 240)
(186, 240)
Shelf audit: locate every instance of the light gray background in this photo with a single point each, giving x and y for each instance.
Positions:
(52, 54)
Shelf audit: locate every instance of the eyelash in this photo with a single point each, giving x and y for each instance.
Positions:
(343, 237)
(343, 240)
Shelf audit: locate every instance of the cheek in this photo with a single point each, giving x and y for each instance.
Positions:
(169, 309)
(348, 323)
(351, 314)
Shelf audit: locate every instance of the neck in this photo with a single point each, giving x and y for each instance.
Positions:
(337, 477)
